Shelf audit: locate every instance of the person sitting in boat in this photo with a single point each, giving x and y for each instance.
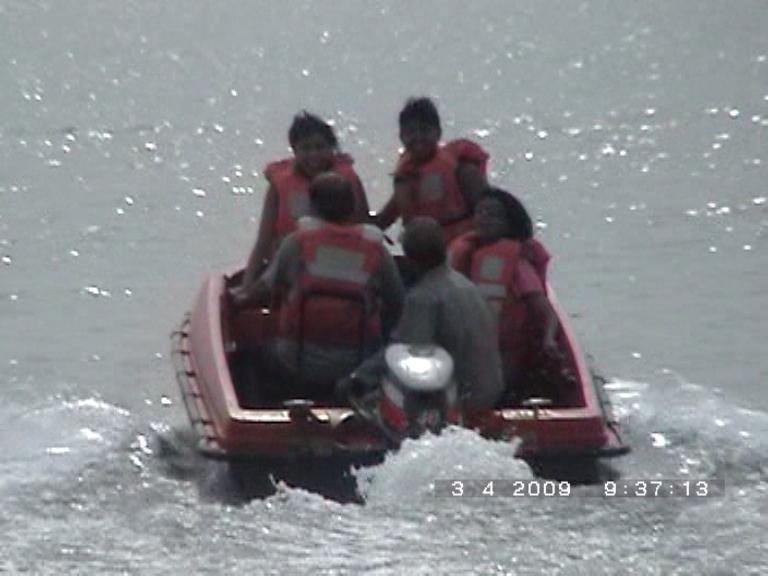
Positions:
(315, 150)
(338, 292)
(439, 180)
(443, 308)
(509, 267)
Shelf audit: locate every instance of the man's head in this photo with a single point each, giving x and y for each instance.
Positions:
(420, 129)
(313, 143)
(424, 243)
(331, 197)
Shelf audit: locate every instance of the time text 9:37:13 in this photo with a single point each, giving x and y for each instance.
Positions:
(540, 488)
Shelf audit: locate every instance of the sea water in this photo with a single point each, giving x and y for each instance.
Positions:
(133, 138)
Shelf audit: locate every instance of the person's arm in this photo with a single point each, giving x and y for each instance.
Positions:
(472, 182)
(530, 289)
(265, 240)
(401, 199)
(275, 280)
(387, 215)
(281, 273)
(392, 293)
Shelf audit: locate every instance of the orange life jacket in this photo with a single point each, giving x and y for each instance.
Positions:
(330, 303)
(292, 189)
(492, 268)
(435, 189)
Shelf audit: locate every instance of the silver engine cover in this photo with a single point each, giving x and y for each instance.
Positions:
(419, 367)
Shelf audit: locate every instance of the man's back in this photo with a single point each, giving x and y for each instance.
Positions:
(445, 308)
(308, 339)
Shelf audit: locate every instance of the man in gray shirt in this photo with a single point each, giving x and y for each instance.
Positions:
(445, 308)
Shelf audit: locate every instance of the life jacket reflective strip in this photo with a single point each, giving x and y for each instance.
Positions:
(292, 189)
(330, 303)
(435, 189)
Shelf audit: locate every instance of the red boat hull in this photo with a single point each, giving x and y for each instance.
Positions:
(226, 429)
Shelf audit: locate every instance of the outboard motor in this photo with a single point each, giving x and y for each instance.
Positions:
(418, 391)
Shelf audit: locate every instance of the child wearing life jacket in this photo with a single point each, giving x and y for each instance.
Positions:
(435, 179)
(315, 150)
(509, 267)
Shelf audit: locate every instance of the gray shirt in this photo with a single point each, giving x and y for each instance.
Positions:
(445, 308)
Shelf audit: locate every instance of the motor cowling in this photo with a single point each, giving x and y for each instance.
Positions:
(419, 392)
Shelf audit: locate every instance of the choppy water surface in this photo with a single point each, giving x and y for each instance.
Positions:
(132, 139)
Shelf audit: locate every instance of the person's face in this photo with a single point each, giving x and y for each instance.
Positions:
(314, 154)
(420, 140)
(490, 219)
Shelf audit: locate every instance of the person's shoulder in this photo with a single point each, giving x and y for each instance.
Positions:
(308, 223)
(288, 249)
(442, 282)
(526, 278)
(344, 164)
(459, 280)
(293, 238)
(405, 167)
(535, 251)
(463, 241)
(343, 159)
(458, 287)
(466, 150)
(278, 167)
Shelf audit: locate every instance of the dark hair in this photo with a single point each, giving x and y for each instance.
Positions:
(422, 110)
(521, 227)
(305, 124)
(424, 242)
(332, 197)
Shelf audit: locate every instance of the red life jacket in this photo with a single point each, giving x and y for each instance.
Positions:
(292, 189)
(435, 189)
(330, 303)
(492, 268)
